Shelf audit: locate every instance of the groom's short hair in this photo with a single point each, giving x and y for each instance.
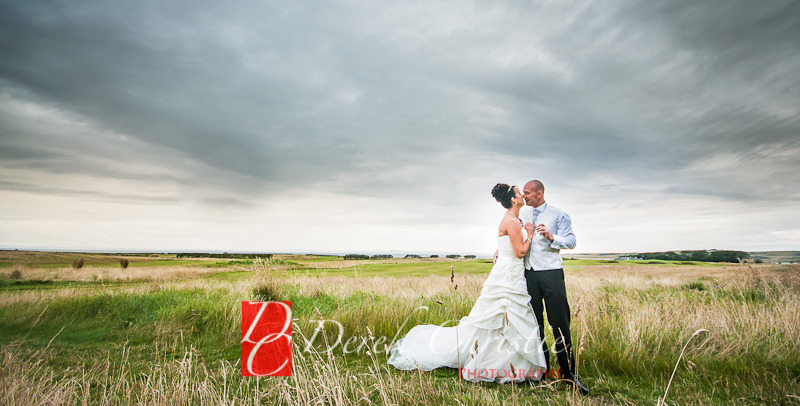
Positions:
(537, 185)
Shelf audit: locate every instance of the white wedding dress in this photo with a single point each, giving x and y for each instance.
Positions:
(501, 322)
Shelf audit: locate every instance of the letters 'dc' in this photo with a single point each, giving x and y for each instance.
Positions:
(266, 338)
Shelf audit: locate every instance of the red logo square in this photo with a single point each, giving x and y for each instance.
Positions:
(266, 338)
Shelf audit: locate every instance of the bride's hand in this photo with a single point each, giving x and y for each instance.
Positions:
(529, 229)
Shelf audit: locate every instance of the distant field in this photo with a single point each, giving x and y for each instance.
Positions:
(580, 262)
(777, 256)
(64, 259)
(168, 331)
(766, 256)
(405, 268)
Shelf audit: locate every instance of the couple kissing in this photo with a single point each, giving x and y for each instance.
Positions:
(502, 339)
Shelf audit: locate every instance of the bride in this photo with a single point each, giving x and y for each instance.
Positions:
(499, 340)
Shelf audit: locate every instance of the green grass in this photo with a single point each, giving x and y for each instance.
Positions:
(401, 268)
(23, 284)
(93, 329)
(80, 325)
(320, 259)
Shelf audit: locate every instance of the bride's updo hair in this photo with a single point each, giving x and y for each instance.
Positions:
(503, 194)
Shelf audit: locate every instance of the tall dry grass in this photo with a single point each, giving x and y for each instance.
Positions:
(318, 378)
(120, 274)
(633, 325)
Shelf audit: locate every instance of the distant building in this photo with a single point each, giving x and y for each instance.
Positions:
(625, 258)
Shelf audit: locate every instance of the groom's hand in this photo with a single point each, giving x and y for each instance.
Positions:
(544, 232)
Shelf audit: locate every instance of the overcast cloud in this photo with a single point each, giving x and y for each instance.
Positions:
(364, 126)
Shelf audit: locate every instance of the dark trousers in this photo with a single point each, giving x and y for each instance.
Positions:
(548, 287)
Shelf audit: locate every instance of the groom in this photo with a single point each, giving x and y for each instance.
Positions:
(544, 274)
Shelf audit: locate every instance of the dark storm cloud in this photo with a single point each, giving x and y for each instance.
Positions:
(21, 152)
(687, 97)
(663, 87)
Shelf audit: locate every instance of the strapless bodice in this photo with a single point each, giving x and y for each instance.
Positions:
(504, 248)
(509, 270)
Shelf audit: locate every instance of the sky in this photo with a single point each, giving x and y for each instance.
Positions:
(362, 126)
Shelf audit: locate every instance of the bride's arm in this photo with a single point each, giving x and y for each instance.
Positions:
(515, 235)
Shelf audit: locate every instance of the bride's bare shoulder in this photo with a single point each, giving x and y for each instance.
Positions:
(505, 225)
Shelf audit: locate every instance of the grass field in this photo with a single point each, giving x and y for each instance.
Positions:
(169, 333)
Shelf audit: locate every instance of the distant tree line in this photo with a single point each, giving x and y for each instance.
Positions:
(356, 256)
(360, 256)
(409, 256)
(225, 255)
(699, 256)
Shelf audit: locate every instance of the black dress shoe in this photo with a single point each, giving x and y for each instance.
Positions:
(573, 380)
